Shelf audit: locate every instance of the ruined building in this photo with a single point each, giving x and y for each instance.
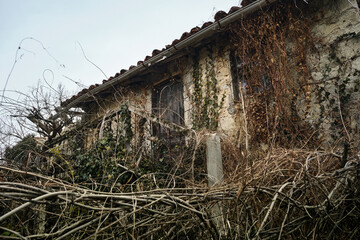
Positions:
(269, 72)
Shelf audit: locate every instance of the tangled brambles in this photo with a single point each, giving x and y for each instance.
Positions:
(294, 194)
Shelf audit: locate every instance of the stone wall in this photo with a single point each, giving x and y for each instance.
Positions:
(222, 73)
(334, 106)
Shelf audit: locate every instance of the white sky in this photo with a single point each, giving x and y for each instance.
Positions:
(114, 34)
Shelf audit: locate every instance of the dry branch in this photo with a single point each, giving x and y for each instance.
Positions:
(301, 194)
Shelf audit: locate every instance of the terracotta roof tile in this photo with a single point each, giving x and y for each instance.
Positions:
(184, 36)
(195, 30)
(205, 25)
(176, 41)
(244, 3)
(233, 9)
(155, 52)
(219, 15)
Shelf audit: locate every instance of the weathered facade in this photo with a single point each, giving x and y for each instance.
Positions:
(270, 72)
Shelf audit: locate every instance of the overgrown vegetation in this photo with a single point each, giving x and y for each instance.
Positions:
(271, 50)
(102, 184)
(284, 194)
(25, 154)
(104, 160)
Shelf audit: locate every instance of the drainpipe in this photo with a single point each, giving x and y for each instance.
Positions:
(197, 37)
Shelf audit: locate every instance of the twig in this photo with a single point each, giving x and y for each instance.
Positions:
(87, 59)
(341, 116)
(270, 209)
(80, 227)
(13, 232)
(45, 196)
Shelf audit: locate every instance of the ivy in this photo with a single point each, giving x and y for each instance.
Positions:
(205, 98)
(103, 161)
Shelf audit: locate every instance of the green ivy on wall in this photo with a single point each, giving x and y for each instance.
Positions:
(205, 97)
(102, 161)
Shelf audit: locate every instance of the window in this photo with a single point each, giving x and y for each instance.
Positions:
(237, 76)
(249, 76)
(168, 106)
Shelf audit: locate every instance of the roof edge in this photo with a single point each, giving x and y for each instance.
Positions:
(194, 38)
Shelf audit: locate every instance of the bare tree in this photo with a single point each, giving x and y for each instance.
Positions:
(32, 113)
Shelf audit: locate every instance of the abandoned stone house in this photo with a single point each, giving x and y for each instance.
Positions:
(268, 71)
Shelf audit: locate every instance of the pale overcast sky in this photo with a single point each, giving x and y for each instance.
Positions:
(114, 34)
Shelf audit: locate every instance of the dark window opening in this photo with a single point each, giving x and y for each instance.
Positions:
(237, 75)
(247, 77)
(168, 106)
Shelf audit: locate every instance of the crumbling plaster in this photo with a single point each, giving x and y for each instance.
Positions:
(334, 107)
(222, 70)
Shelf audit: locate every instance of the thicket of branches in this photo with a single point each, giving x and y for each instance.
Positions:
(109, 191)
(285, 194)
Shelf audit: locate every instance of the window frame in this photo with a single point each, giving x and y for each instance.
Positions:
(167, 114)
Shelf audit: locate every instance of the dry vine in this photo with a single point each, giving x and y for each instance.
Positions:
(288, 194)
(270, 51)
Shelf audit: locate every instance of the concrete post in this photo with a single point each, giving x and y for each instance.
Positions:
(214, 160)
(40, 221)
(215, 176)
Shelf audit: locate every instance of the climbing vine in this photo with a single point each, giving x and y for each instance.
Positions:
(338, 89)
(105, 160)
(205, 97)
(271, 48)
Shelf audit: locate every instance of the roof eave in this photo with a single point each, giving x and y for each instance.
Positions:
(192, 39)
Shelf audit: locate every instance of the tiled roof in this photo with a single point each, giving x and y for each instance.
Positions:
(218, 16)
